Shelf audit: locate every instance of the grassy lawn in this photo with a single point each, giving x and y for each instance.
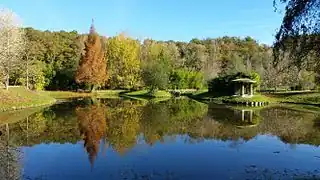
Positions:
(206, 96)
(146, 93)
(65, 94)
(201, 94)
(70, 94)
(108, 93)
(255, 98)
(312, 98)
(297, 97)
(19, 98)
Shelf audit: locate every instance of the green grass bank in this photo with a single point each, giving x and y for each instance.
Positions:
(294, 97)
(19, 98)
(297, 97)
(71, 94)
(147, 93)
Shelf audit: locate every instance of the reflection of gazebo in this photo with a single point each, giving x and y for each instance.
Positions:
(243, 87)
(247, 118)
(234, 116)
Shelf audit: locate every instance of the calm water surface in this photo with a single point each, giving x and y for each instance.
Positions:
(173, 139)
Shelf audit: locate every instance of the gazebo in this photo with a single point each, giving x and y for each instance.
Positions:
(243, 87)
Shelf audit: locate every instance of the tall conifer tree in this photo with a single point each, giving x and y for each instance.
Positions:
(92, 67)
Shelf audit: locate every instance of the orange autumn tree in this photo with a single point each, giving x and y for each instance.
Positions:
(92, 67)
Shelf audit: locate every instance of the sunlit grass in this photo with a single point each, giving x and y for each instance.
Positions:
(298, 97)
(65, 94)
(147, 93)
(19, 97)
(312, 98)
(70, 94)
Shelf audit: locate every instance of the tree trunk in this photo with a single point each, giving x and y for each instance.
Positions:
(7, 82)
(93, 88)
(27, 74)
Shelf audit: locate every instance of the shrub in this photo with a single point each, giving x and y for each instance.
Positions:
(184, 79)
(155, 76)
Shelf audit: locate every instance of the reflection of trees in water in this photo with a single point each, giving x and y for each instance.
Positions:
(169, 118)
(9, 156)
(290, 126)
(234, 116)
(47, 126)
(155, 117)
(124, 126)
(317, 122)
(92, 126)
(120, 122)
(225, 124)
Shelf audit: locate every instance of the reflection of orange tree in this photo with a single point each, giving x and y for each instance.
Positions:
(123, 126)
(92, 125)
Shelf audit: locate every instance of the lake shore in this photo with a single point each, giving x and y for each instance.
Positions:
(73, 94)
(301, 97)
(20, 98)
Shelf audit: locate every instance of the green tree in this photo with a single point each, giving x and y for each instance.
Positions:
(35, 76)
(155, 75)
(185, 79)
(299, 33)
(156, 65)
(59, 52)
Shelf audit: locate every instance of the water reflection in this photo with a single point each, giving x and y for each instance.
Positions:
(235, 116)
(9, 156)
(92, 126)
(123, 125)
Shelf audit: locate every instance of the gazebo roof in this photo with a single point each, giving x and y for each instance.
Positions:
(244, 80)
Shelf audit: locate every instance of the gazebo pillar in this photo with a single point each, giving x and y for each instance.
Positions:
(242, 89)
(242, 115)
(251, 89)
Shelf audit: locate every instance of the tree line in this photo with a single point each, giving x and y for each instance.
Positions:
(60, 60)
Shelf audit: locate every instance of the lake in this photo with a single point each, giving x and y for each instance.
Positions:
(170, 139)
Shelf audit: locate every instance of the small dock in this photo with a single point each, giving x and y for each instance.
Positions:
(247, 103)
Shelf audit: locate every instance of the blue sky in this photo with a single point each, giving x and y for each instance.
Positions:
(157, 19)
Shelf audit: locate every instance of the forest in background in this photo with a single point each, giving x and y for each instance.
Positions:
(45, 60)
(53, 58)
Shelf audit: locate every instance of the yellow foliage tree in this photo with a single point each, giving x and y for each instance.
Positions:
(123, 54)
